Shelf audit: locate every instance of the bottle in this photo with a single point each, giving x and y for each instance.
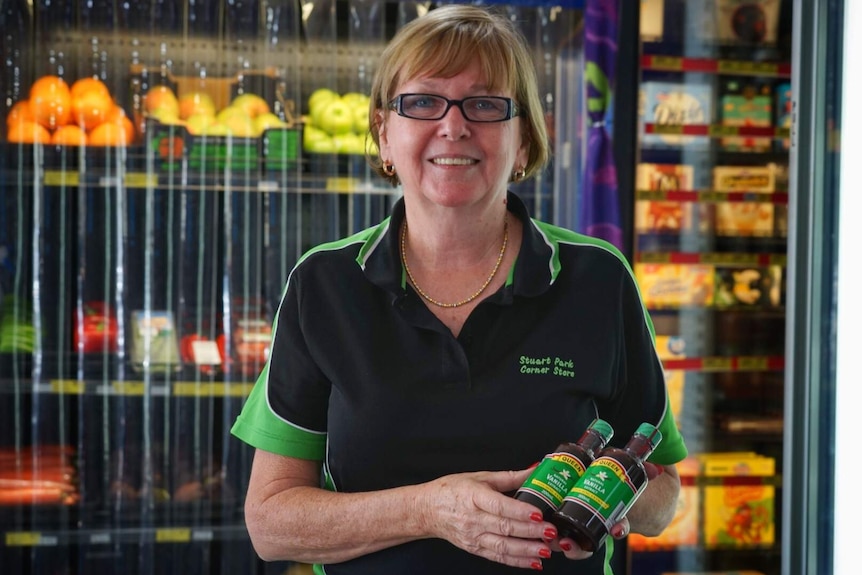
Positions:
(555, 475)
(606, 490)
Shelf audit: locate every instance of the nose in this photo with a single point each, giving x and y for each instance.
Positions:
(453, 124)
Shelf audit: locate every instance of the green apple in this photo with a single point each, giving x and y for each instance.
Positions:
(230, 112)
(197, 123)
(321, 96)
(349, 143)
(266, 121)
(355, 98)
(242, 127)
(360, 119)
(253, 104)
(317, 141)
(336, 118)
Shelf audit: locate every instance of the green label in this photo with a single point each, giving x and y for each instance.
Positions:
(606, 490)
(554, 477)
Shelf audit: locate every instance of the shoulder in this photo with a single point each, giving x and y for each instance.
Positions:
(570, 248)
(351, 251)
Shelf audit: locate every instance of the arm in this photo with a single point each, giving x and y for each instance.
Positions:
(289, 517)
(655, 508)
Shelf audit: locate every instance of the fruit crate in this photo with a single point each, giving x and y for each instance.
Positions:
(208, 127)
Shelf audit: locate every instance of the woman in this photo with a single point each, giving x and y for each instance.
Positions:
(421, 366)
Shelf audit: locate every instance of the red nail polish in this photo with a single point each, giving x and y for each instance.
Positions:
(545, 553)
(536, 516)
(537, 565)
(550, 533)
(566, 546)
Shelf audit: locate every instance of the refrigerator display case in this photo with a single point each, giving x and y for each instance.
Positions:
(710, 235)
(162, 168)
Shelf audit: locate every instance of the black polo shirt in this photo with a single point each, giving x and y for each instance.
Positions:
(365, 378)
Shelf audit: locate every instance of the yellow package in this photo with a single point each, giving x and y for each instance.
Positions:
(740, 510)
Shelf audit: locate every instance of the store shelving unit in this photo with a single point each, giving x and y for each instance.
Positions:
(710, 253)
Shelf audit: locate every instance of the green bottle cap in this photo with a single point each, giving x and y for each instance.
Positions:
(603, 428)
(649, 431)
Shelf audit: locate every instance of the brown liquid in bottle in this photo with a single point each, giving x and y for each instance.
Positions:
(606, 491)
(557, 472)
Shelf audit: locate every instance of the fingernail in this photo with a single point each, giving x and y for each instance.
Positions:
(550, 533)
(536, 516)
(537, 565)
(545, 553)
(566, 546)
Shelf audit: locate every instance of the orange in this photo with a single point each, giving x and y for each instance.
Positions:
(28, 132)
(161, 99)
(51, 101)
(89, 109)
(84, 85)
(107, 134)
(69, 135)
(19, 112)
(117, 115)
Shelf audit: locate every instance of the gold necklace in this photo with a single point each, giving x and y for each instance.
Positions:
(463, 301)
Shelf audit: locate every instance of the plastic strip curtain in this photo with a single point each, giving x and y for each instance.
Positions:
(599, 214)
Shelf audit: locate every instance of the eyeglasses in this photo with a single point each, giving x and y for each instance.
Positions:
(474, 108)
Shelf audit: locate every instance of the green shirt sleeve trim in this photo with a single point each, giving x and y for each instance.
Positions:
(260, 427)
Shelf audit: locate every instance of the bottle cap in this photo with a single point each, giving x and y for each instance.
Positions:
(649, 431)
(603, 428)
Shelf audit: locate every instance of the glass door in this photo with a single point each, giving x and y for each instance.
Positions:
(710, 252)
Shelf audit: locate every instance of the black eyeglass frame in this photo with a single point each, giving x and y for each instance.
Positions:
(396, 104)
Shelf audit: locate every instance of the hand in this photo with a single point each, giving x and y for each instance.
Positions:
(619, 530)
(471, 511)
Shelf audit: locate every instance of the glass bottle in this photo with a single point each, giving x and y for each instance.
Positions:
(606, 491)
(557, 473)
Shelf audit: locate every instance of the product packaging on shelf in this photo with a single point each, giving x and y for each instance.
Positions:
(739, 510)
(675, 105)
(154, 341)
(746, 103)
(674, 285)
(755, 286)
(673, 347)
(663, 216)
(745, 218)
(746, 22)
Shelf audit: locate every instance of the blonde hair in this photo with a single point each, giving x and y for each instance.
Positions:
(444, 42)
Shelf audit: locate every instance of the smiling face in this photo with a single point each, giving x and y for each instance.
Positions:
(452, 161)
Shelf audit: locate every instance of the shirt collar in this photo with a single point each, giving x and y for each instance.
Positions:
(532, 274)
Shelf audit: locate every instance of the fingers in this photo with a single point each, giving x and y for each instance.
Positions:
(569, 548)
(471, 512)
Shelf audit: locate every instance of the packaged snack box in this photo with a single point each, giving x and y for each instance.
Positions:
(660, 216)
(673, 285)
(740, 510)
(675, 105)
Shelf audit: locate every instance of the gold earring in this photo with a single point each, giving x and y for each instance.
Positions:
(519, 175)
(389, 169)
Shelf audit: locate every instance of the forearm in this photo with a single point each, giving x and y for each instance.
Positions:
(312, 525)
(655, 508)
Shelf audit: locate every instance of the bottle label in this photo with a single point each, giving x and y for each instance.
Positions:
(606, 490)
(554, 477)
